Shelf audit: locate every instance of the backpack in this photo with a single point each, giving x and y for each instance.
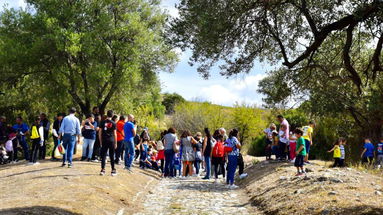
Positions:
(218, 150)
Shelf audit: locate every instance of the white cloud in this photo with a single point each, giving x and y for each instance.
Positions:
(13, 3)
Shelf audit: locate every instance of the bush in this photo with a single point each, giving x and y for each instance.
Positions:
(257, 146)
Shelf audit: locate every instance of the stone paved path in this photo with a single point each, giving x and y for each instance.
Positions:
(195, 196)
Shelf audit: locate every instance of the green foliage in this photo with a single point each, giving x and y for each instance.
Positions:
(84, 53)
(170, 101)
(257, 146)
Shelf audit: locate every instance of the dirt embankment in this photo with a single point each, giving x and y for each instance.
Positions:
(50, 189)
(274, 189)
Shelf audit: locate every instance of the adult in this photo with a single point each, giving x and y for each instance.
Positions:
(37, 138)
(169, 140)
(89, 130)
(188, 155)
(21, 130)
(120, 139)
(269, 133)
(108, 141)
(55, 133)
(46, 125)
(208, 143)
(96, 148)
(222, 131)
(198, 152)
(308, 136)
(130, 133)
(234, 145)
(70, 128)
(284, 134)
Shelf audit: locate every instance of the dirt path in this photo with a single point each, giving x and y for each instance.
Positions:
(195, 196)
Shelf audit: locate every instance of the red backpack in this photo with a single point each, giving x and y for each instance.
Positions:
(218, 150)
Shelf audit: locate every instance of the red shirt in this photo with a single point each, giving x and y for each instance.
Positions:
(120, 130)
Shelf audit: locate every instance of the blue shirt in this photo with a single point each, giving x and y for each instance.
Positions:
(370, 150)
(379, 149)
(232, 142)
(70, 125)
(21, 128)
(128, 127)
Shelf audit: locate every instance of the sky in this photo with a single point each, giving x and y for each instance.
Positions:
(187, 82)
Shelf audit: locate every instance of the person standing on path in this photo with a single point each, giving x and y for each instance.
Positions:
(37, 138)
(188, 155)
(208, 143)
(284, 133)
(46, 127)
(89, 130)
(169, 140)
(96, 147)
(198, 153)
(108, 141)
(234, 145)
(55, 133)
(21, 130)
(130, 133)
(308, 136)
(218, 154)
(120, 139)
(70, 128)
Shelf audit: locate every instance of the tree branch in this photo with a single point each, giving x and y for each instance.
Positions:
(347, 59)
(376, 58)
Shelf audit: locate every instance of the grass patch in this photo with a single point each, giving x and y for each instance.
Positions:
(176, 206)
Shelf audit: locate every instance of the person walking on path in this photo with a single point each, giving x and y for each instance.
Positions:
(70, 128)
(208, 143)
(233, 152)
(89, 130)
(130, 133)
(46, 127)
(21, 130)
(55, 133)
(120, 139)
(284, 133)
(108, 141)
(308, 136)
(37, 138)
(169, 140)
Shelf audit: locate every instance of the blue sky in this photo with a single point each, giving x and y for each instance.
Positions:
(187, 82)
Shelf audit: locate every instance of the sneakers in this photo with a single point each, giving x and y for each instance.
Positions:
(102, 172)
(64, 164)
(228, 186)
(233, 187)
(128, 169)
(114, 172)
(243, 175)
(95, 161)
(37, 163)
(70, 165)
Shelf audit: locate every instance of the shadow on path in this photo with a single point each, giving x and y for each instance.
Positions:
(36, 210)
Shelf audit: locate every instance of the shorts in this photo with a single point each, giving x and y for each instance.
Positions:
(307, 145)
(299, 161)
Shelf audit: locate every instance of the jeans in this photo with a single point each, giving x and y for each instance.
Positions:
(129, 153)
(35, 150)
(107, 145)
(87, 143)
(68, 143)
(282, 150)
(208, 166)
(169, 162)
(119, 151)
(231, 167)
(25, 146)
(197, 165)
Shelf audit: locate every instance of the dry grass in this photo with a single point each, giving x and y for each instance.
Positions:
(51, 189)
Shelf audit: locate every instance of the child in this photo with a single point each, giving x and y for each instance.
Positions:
(218, 154)
(37, 137)
(274, 146)
(379, 153)
(3, 155)
(300, 152)
(368, 152)
(343, 142)
(337, 153)
(177, 164)
(292, 147)
(144, 153)
(9, 146)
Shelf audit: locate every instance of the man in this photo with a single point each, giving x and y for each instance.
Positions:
(130, 133)
(70, 128)
(284, 134)
(45, 124)
(120, 139)
(108, 141)
(55, 133)
(307, 135)
(21, 130)
(96, 148)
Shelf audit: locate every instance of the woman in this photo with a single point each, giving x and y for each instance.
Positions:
(233, 146)
(198, 153)
(187, 143)
(207, 152)
(169, 140)
(89, 128)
